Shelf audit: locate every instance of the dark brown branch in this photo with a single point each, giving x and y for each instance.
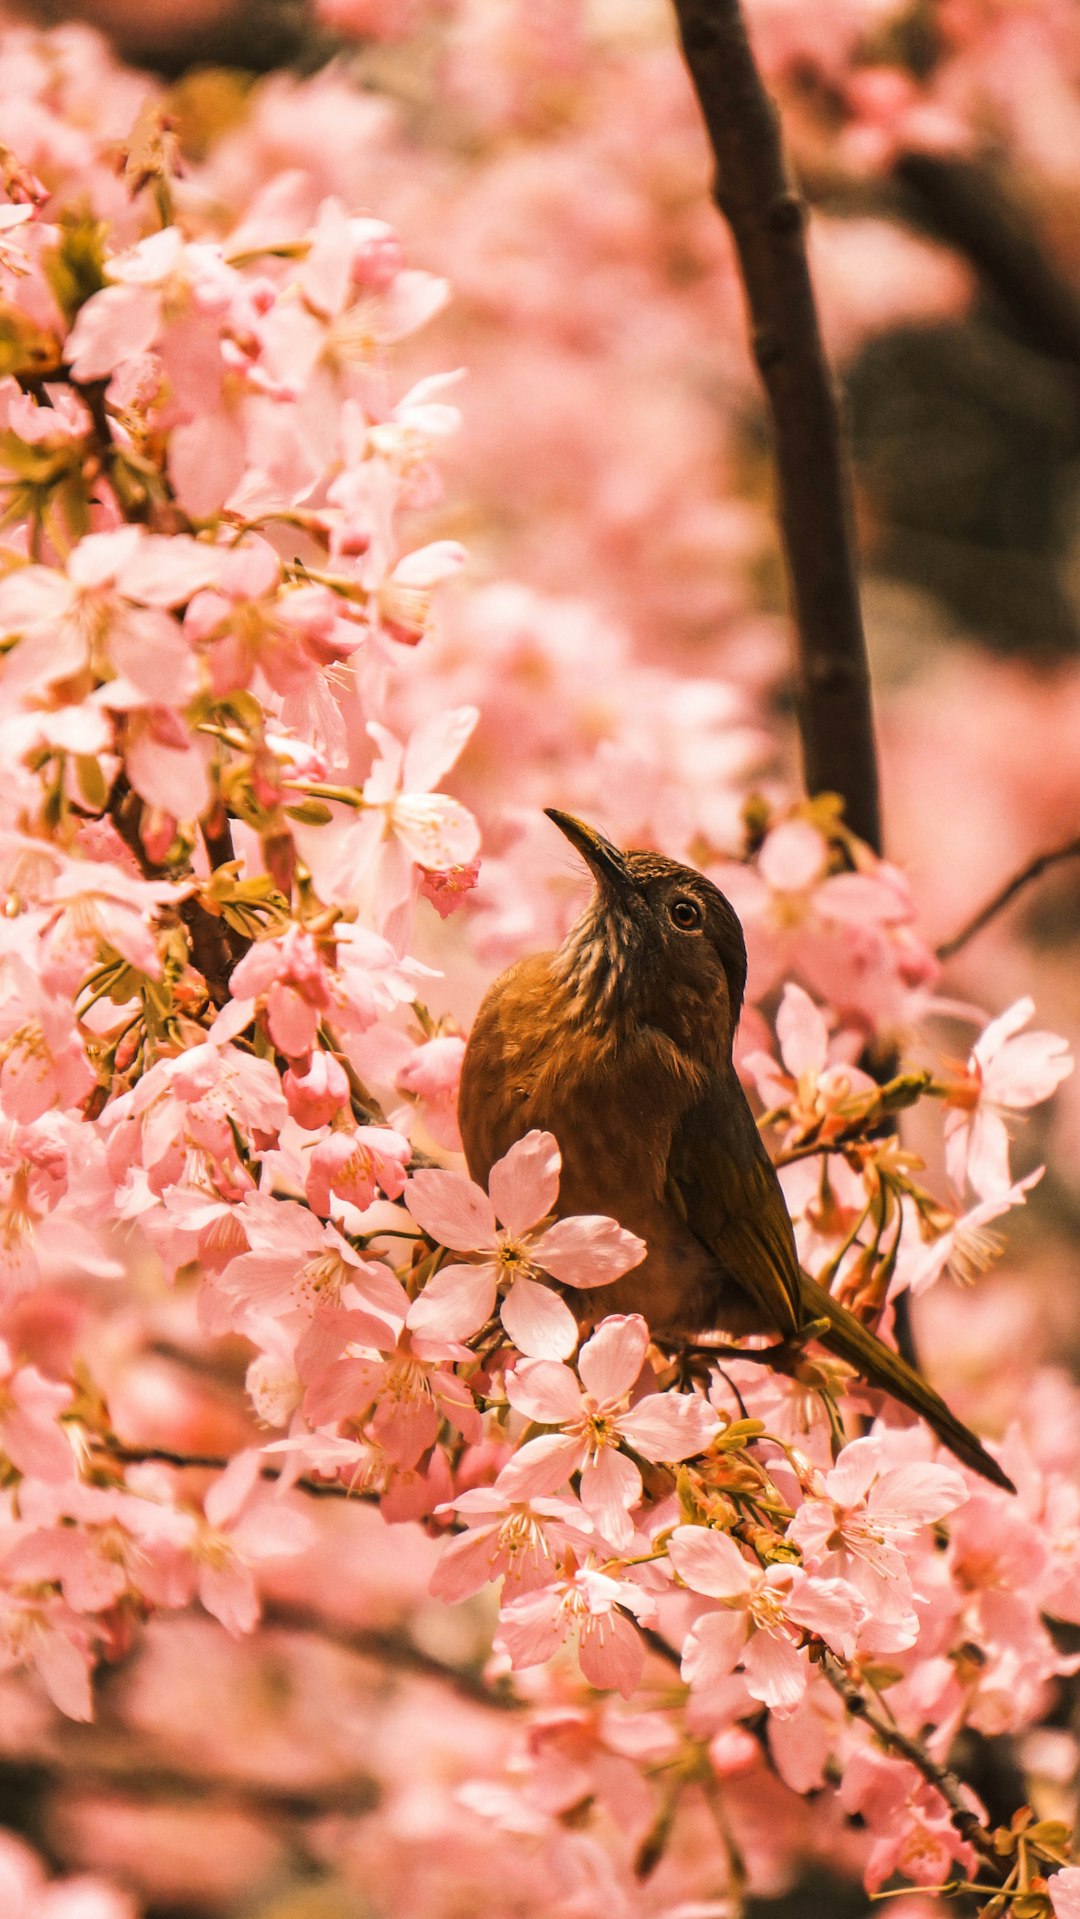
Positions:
(963, 203)
(759, 200)
(125, 1455)
(966, 1822)
(395, 1650)
(993, 906)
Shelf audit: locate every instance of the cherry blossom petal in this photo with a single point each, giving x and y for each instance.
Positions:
(709, 1562)
(229, 1491)
(466, 1564)
(530, 1629)
(793, 856)
(610, 1487)
(117, 324)
(539, 1323)
(775, 1672)
(611, 1653)
(434, 747)
(907, 1497)
(455, 1303)
(452, 1210)
(524, 1185)
(435, 830)
(544, 1391)
(65, 1674)
(589, 1250)
(1064, 1890)
(712, 1647)
(541, 1466)
(228, 1591)
(670, 1426)
(609, 1363)
(1028, 1069)
(802, 1033)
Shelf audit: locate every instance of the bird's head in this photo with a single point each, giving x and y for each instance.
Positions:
(658, 944)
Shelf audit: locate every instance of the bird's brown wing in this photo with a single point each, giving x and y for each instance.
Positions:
(722, 1183)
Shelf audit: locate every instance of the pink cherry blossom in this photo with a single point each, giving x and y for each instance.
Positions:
(967, 1247)
(405, 823)
(315, 1095)
(288, 977)
(592, 1606)
(352, 1164)
(810, 1087)
(521, 1541)
(910, 1823)
(1007, 1072)
(244, 1528)
(523, 1186)
(29, 1408)
(596, 1419)
(857, 1526)
(763, 1610)
(293, 1264)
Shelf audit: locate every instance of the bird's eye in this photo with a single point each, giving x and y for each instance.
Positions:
(686, 913)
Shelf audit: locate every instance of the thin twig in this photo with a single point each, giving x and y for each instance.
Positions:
(758, 198)
(395, 1650)
(993, 906)
(967, 1823)
(216, 1463)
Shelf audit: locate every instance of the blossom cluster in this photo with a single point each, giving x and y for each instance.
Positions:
(230, 712)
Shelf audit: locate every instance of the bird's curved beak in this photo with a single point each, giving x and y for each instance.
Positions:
(606, 860)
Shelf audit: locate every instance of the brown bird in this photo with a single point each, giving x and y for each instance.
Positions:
(620, 1044)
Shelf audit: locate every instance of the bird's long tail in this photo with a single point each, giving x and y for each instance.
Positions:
(849, 1339)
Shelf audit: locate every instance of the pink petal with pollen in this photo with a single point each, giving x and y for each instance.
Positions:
(670, 1426)
(524, 1186)
(709, 1562)
(588, 1251)
(530, 1629)
(544, 1391)
(611, 1653)
(452, 1210)
(435, 830)
(609, 1362)
(455, 1303)
(539, 1323)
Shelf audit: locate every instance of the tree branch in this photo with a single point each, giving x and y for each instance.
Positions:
(965, 204)
(758, 199)
(216, 1463)
(395, 1650)
(993, 906)
(967, 1823)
